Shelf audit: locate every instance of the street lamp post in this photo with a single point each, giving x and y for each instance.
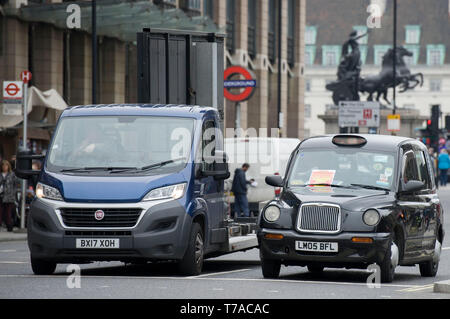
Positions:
(395, 57)
(94, 50)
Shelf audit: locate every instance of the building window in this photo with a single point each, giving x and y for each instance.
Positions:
(308, 85)
(363, 50)
(193, 5)
(360, 29)
(307, 111)
(310, 54)
(231, 26)
(412, 34)
(435, 54)
(208, 8)
(2, 28)
(291, 32)
(310, 35)
(415, 49)
(409, 106)
(330, 55)
(435, 85)
(272, 29)
(379, 52)
(306, 133)
(252, 13)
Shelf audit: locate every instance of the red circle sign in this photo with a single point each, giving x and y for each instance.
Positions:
(12, 89)
(248, 88)
(25, 76)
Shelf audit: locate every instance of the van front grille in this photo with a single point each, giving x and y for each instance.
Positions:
(113, 217)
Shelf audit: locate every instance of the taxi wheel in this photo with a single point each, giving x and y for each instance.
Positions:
(192, 262)
(389, 263)
(430, 268)
(42, 267)
(315, 269)
(270, 268)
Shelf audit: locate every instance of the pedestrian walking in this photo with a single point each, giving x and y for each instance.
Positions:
(8, 183)
(239, 190)
(443, 165)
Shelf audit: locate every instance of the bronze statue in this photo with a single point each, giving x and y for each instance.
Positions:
(350, 82)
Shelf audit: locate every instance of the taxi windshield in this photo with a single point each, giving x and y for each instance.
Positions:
(344, 167)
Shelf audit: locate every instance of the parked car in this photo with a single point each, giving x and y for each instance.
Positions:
(351, 201)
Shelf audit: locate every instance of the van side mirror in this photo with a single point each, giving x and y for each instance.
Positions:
(24, 161)
(412, 186)
(274, 180)
(216, 166)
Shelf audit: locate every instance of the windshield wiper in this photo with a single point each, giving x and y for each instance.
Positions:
(161, 164)
(329, 185)
(372, 187)
(95, 169)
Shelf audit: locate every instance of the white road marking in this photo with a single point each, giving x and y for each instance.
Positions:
(219, 279)
(446, 248)
(273, 291)
(218, 289)
(13, 262)
(218, 273)
(8, 251)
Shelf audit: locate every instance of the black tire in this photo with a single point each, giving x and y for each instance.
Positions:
(270, 268)
(386, 269)
(317, 269)
(42, 266)
(192, 262)
(429, 268)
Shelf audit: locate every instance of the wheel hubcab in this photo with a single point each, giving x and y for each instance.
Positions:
(437, 252)
(394, 255)
(198, 248)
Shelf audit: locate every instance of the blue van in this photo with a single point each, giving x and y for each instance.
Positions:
(132, 183)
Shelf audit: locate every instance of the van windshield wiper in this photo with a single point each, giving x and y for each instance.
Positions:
(372, 187)
(161, 164)
(96, 169)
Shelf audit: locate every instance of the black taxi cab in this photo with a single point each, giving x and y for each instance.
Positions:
(350, 201)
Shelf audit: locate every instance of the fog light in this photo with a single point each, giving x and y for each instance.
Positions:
(364, 240)
(273, 236)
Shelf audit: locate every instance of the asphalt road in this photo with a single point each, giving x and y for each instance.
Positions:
(235, 276)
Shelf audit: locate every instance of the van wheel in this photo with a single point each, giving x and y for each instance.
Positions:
(192, 262)
(42, 266)
(430, 267)
(315, 268)
(270, 268)
(389, 263)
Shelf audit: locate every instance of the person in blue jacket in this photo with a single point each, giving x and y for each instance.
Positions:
(239, 188)
(443, 165)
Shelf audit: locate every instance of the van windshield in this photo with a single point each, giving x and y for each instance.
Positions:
(344, 167)
(116, 144)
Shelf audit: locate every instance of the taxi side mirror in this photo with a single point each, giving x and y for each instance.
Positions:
(274, 180)
(412, 186)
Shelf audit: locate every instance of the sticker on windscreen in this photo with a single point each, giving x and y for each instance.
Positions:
(378, 166)
(383, 180)
(381, 158)
(388, 171)
(322, 177)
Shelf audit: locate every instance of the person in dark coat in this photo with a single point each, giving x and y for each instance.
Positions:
(8, 183)
(239, 190)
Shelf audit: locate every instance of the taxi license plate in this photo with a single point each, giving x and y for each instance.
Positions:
(97, 243)
(324, 247)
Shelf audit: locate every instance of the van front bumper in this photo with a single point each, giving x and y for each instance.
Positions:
(349, 255)
(161, 233)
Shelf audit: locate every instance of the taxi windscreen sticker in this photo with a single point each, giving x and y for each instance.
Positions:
(383, 180)
(321, 177)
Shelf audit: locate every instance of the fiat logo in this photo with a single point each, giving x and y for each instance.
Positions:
(99, 215)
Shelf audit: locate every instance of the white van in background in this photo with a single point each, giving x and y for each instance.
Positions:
(266, 156)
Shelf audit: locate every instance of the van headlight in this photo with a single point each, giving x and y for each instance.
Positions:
(168, 192)
(371, 217)
(272, 213)
(45, 191)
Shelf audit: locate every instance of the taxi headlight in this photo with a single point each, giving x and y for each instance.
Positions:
(371, 217)
(168, 192)
(45, 191)
(272, 213)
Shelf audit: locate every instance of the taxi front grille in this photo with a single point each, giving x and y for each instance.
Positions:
(113, 217)
(320, 218)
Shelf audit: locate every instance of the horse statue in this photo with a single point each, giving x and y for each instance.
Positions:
(350, 83)
(381, 82)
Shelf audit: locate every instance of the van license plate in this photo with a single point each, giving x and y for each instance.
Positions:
(325, 247)
(97, 243)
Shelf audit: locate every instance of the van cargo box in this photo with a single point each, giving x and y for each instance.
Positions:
(177, 67)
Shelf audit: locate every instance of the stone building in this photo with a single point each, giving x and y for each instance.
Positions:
(35, 35)
(423, 28)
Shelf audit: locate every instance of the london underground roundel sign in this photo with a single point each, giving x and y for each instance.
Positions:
(248, 83)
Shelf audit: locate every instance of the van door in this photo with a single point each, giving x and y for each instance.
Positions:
(413, 205)
(209, 189)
